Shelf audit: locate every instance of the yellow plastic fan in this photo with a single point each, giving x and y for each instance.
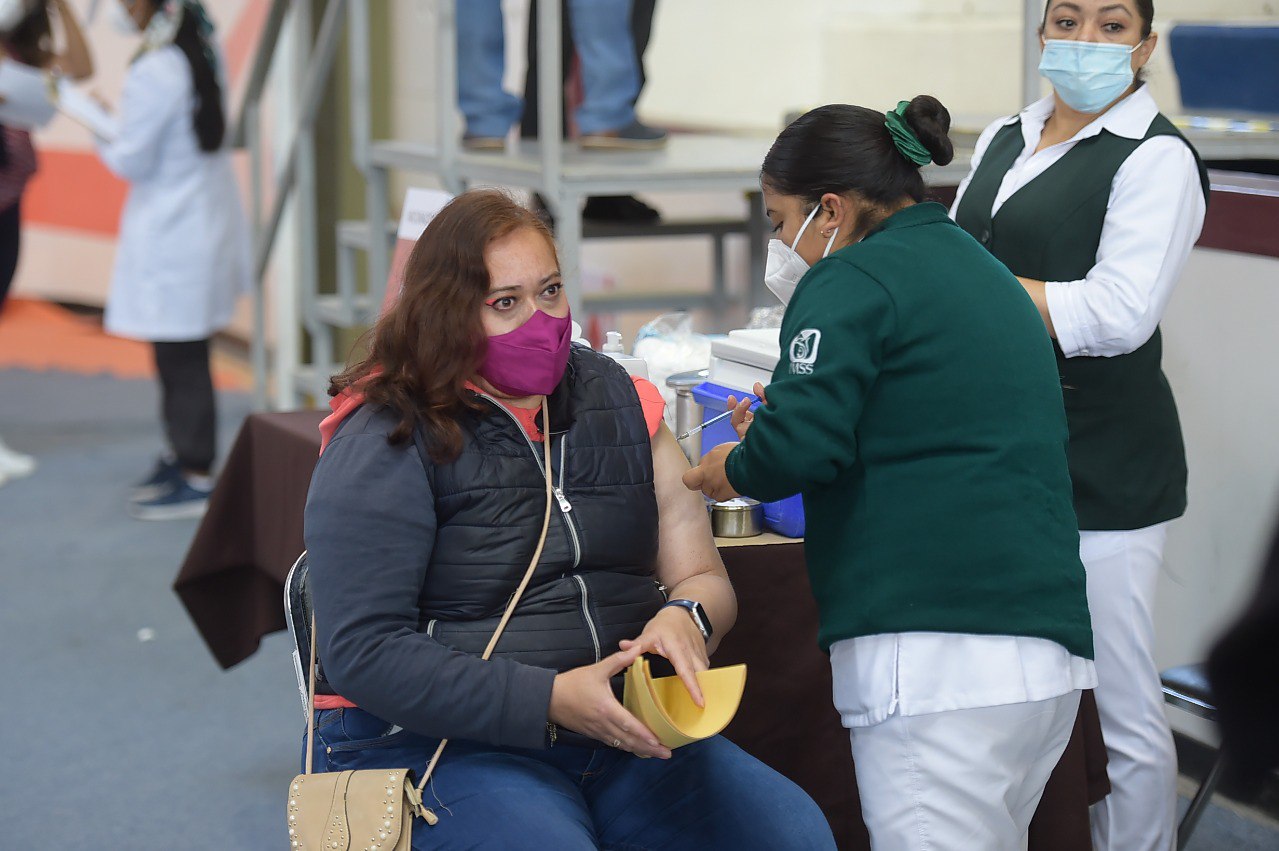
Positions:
(666, 708)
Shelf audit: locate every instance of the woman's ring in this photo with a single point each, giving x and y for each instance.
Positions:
(617, 743)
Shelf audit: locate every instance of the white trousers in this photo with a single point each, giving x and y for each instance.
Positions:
(960, 780)
(1123, 569)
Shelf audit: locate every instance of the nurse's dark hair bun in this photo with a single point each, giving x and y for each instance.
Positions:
(842, 148)
(931, 122)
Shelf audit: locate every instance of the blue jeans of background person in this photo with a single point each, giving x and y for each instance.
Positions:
(709, 795)
(610, 71)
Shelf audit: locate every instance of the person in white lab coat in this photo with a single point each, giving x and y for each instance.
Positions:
(26, 39)
(183, 254)
(1094, 200)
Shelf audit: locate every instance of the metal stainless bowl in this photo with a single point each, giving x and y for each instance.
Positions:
(737, 518)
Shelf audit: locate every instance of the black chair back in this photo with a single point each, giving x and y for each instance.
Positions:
(297, 613)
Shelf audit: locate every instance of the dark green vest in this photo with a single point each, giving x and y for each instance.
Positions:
(1127, 460)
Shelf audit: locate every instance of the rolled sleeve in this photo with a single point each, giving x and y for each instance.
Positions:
(1068, 323)
(1153, 219)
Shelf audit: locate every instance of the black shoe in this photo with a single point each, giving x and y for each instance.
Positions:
(633, 137)
(484, 144)
(620, 209)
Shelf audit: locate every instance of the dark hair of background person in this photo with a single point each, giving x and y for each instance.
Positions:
(210, 118)
(31, 41)
(424, 349)
(840, 148)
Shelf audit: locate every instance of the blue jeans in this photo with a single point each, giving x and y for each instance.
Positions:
(610, 72)
(709, 795)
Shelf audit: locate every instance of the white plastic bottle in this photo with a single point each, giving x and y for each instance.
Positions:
(614, 349)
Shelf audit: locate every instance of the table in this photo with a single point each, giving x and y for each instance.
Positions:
(231, 585)
(232, 579)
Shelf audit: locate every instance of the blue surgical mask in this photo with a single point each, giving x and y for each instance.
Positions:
(1087, 76)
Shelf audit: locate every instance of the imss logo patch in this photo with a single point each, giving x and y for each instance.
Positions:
(803, 351)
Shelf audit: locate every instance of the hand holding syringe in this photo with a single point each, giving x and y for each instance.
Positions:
(739, 410)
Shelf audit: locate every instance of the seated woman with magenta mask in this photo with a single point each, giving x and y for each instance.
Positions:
(423, 516)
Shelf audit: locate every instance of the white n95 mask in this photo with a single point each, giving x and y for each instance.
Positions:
(785, 267)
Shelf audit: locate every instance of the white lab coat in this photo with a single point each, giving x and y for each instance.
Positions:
(183, 256)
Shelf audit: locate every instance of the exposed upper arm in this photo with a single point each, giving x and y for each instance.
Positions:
(686, 547)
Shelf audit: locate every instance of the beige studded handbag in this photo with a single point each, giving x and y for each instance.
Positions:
(374, 808)
(343, 810)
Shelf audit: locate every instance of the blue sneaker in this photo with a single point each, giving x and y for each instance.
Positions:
(165, 475)
(181, 501)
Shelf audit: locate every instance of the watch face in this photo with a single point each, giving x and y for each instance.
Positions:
(698, 614)
(699, 618)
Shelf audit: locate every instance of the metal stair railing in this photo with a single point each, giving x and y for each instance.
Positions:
(295, 179)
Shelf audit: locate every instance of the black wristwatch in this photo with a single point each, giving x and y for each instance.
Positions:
(695, 609)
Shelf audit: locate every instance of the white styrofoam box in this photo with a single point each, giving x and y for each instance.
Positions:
(744, 357)
(756, 347)
(737, 376)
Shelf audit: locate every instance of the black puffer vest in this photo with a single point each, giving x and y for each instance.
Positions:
(595, 583)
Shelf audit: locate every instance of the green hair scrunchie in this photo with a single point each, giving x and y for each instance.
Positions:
(904, 137)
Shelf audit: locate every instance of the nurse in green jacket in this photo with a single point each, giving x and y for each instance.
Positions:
(917, 408)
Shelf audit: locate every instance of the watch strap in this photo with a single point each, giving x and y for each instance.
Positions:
(697, 612)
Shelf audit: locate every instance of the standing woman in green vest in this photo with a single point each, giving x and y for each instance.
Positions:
(916, 407)
(1093, 199)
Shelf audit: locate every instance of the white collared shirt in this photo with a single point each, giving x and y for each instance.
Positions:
(1154, 216)
(918, 673)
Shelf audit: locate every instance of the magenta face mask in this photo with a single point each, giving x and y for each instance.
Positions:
(529, 361)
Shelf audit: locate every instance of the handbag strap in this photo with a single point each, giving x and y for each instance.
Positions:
(310, 700)
(515, 598)
(424, 811)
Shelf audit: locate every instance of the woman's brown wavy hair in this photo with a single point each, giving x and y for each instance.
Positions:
(423, 349)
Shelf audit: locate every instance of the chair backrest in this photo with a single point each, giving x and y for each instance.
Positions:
(297, 613)
(1187, 688)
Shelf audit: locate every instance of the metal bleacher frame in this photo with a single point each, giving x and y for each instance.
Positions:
(563, 174)
(558, 170)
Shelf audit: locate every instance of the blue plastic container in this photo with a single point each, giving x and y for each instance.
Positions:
(786, 516)
(714, 401)
(1223, 67)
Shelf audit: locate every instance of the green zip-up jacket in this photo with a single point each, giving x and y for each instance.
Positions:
(917, 408)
